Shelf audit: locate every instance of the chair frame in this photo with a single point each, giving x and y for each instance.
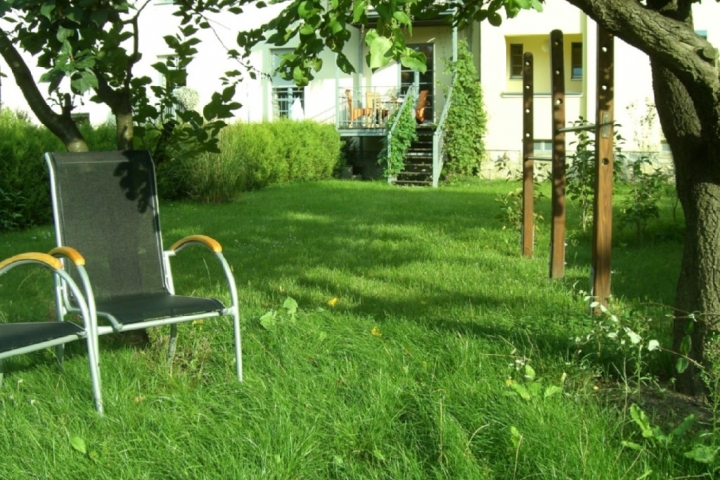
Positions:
(89, 332)
(115, 325)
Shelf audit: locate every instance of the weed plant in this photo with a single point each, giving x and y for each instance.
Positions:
(384, 329)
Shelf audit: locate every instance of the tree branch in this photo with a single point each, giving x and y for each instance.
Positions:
(62, 126)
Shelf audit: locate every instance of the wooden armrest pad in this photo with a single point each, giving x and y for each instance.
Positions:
(43, 258)
(210, 243)
(69, 253)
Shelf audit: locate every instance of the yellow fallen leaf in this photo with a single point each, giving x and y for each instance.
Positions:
(332, 302)
(375, 332)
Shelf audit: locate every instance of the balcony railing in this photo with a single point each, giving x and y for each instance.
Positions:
(368, 107)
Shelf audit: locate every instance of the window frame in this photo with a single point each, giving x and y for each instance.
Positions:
(576, 62)
(283, 92)
(515, 62)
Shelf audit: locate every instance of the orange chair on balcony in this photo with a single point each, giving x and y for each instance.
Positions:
(355, 113)
(420, 106)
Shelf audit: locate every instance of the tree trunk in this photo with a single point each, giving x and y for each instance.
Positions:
(688, 126)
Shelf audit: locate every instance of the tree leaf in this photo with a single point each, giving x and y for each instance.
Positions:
(552, 390)
(268, 320)
(702, 454)
(78, 444)
(290, 305)
(359, 10)
(682, 364)
(380, 51)
(653, 345)
(634, 337)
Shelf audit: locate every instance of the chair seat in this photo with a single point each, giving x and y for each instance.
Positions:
(139, 308)
(19, 335)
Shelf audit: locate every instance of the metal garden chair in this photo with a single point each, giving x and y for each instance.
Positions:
(17, 338)
(105, 206)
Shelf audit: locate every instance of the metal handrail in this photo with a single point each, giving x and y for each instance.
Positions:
(439, 137)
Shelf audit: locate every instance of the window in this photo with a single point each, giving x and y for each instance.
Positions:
(701, 33)
(576, 61)
(288, 100)
(542, 146)
(516, 60)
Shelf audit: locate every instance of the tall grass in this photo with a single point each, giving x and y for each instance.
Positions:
(415, 313)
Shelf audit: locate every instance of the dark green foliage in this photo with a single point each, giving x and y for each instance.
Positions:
(24, 186)
(648, 185)
(252, 157)
(466, 123)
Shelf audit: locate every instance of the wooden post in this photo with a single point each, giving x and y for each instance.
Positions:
(528, 228)
(557, 230)
(604, 159)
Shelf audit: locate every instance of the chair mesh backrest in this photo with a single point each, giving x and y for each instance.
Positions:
(105, 207)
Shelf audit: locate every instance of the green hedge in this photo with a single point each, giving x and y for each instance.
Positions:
(24, 184)
(254, 155)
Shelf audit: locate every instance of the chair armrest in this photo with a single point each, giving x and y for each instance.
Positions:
(31, 257)
(210, 243)
(70, 253)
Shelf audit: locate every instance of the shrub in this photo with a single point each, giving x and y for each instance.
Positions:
(24, 185)
(466, 121)
(253, 156)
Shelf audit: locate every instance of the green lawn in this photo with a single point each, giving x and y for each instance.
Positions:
(408, 375)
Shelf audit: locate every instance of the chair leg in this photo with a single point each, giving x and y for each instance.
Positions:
(95, 373)
(173, 343)
(1, 371)
(238, 347)
(59, 355)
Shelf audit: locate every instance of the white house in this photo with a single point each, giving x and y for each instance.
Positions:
(359, 104)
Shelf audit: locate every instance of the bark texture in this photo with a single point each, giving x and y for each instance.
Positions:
(687, 95)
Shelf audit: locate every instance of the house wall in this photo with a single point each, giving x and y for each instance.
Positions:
(633, 95)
